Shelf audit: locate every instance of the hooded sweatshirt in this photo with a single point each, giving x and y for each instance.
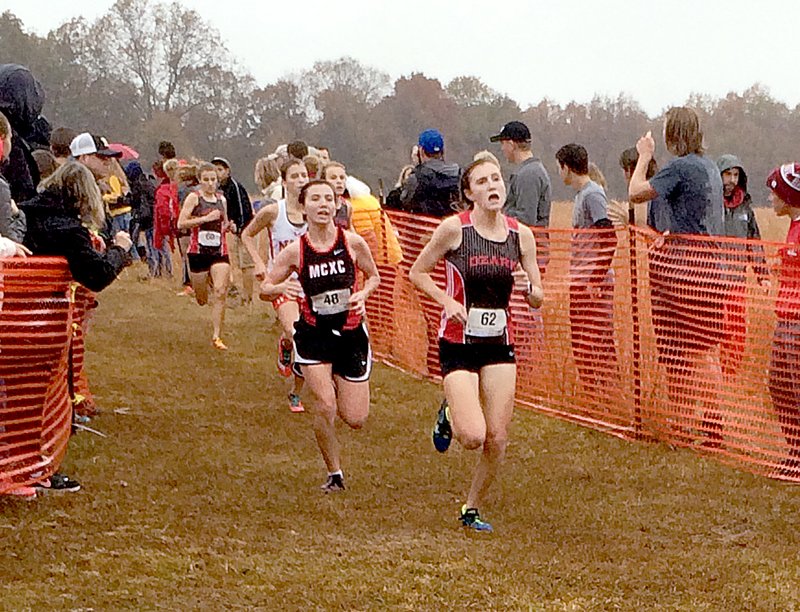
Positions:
(21, 101)
(740, 219)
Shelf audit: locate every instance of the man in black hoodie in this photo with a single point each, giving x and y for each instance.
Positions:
(21, 101)
(240, 213)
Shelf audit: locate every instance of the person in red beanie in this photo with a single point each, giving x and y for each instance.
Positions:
(784, 186)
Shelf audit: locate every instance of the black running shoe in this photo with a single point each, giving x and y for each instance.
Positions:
(442, 432)
(59, 483)
(334, 484)
(471, 519)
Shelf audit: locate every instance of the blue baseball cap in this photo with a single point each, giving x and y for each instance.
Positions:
(431, 141)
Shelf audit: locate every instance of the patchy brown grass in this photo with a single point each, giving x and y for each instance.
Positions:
(204, 496)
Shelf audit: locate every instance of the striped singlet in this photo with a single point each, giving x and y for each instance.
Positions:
(328, 279)
(208, 238)
(479, 276)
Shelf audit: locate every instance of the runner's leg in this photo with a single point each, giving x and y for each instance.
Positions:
(323, 406)
(497, 385)
(220, 276)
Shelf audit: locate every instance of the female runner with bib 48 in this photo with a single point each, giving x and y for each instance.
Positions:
(486, 253)
(331, 345)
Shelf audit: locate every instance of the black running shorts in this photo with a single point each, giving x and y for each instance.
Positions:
(472, 357)
(200, 262)
(348, 351)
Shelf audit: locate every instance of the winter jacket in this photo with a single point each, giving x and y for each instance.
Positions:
(432, 188)
(165, 214)
(21, 101)
(740, 221)
(54, 229)
(142, 195)
(11, 225)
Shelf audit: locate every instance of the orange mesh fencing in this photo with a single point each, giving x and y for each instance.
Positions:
(82, 397)
(36, 315)
(670, 339)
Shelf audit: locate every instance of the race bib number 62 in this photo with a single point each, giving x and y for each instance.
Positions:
(486, 322)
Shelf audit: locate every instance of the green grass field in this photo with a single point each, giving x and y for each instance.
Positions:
(205, 496)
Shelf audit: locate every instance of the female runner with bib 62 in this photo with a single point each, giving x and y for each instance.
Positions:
(483, 250)
(331, 345)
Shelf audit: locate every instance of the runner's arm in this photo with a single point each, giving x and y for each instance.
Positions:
(187, 221)
(527, 247)
(445, 238)
(264, 219)
(278, 281)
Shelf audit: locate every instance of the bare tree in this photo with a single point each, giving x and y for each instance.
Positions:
(168, 52)
(363, 82)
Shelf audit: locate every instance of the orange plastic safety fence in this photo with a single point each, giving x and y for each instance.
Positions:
(668, 339)
(83, 399)
(36, 316)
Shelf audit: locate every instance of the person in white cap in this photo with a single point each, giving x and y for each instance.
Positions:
(93, 153)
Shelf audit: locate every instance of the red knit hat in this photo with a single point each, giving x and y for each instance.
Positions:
(785, 182)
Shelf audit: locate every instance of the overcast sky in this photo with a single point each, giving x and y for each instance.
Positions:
(658, 51)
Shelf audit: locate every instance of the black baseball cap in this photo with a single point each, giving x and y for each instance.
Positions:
(513, 130)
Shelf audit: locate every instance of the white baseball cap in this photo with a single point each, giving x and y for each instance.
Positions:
(86, 144)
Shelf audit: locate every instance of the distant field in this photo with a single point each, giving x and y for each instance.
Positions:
(204, 496)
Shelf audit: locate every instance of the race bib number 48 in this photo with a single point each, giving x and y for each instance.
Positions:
(486, 322)
(331, 302)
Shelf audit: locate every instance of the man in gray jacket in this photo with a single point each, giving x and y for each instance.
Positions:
(740, 222)
(12, 220)
(528, 198)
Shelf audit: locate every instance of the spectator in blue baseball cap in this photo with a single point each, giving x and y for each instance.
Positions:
(433, 186)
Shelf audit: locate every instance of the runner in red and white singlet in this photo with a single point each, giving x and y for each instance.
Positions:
(204, 213)
(484, 253)
(330, 339)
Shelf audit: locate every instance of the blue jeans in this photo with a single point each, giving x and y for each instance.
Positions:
(158, 260)
(122, 223)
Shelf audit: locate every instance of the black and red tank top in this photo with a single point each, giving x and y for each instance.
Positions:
(208, 238)
(328, 279)
(479, 276)
(342, 216)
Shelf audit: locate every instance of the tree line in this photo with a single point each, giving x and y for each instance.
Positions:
(151, 70)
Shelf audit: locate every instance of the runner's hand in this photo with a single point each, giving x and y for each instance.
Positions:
(536, 297)
(214, 215)
(260, 271)
(358, 304)
(292, 288)
(454, 310)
